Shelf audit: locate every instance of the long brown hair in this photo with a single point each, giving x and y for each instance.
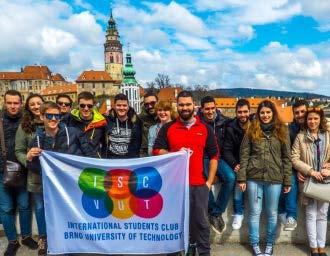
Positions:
(28, 124)
(280, 130)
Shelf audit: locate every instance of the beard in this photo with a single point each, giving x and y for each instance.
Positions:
(243, 120)
(186, 114)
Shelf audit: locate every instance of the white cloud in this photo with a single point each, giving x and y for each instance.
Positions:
(49, 32)
(173, 16)
(246, 31)
(194, 42)
(267, 81)
(56, 42)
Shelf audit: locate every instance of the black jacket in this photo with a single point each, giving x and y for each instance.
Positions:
(218, 126)
(134, 123)
(294, 129)
(232, 143)
(10, 126)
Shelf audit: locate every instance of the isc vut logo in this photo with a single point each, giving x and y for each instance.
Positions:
(121, 192)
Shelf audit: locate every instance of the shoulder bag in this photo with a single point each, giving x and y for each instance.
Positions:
(13, 173)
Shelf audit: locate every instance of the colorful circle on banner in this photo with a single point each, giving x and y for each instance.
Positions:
(91, 182)
(147, 208)
(145, 182)
(119, 179)
(97, 207)
(121, 192)
(122, 209)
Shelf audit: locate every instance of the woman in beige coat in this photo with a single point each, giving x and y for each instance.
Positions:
(310, 156)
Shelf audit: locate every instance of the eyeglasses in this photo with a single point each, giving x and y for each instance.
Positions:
(53, 116)
(150, 104)
(85, 105)
(66, 104)
(317, 109)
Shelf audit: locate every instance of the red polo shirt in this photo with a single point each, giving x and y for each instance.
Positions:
(199, 138)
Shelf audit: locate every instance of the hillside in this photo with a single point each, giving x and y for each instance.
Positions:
(249, 92)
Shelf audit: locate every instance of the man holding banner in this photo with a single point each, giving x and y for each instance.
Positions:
(190, 133)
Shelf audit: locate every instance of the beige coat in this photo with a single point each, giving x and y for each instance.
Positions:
(303, 157)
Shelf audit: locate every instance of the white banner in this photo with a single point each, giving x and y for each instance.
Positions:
(111, 206)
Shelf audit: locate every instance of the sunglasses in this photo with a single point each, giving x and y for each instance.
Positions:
(66, 104)
(53, 116)
(317, 109)
(85, 105)
(151, 104)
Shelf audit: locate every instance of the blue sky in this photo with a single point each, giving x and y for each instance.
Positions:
(273, 44)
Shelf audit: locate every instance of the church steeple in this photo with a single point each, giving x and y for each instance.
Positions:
(129, 72)
(130, 86)
(113, 52)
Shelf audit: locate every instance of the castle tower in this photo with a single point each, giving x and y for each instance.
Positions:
(130, 86)
(113, 53)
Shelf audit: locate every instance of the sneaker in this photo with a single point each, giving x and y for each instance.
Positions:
(12, 248)
(268, 250)
(217, 224)
(290, 224)
(282, 217)
(256, 250)
(237, 221)
(29, 242)
(42, 246)
(191, 250)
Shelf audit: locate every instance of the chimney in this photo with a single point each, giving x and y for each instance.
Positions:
(175, 93)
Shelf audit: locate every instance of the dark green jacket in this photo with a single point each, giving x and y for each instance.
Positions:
(265, 160)
(22, 142)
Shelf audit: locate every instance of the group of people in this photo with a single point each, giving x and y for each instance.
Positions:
(255, 153)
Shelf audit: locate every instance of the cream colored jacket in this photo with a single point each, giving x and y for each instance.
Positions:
(303, 157)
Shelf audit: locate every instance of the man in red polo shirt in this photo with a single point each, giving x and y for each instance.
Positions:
(189, 132)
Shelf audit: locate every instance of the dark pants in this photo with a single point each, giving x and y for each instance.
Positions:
(199, 223)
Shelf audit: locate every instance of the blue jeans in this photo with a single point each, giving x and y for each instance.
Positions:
(238, 201)
(40, 213)
(8, 200)
(227, 177)
(256, 191)
(288, 202)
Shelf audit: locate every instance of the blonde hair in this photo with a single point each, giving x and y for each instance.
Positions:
(167, 106)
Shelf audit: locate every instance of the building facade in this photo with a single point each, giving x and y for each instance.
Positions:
(31, 79)
(113, 52)
(50, 93)
(130, 86)
(98, 83)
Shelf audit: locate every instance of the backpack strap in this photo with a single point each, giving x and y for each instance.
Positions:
(2, 139)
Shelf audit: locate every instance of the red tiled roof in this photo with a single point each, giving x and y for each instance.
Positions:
(31, 73)
(94, 76)
(10, 75)
(54, 90)
(58, 77)
(169, 93)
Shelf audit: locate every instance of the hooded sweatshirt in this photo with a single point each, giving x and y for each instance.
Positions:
(94, 129)
(123, 137)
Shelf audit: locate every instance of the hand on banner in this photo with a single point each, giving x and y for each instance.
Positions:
(208, 184)
(242, 186)
(33, 152)
(188, 150)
